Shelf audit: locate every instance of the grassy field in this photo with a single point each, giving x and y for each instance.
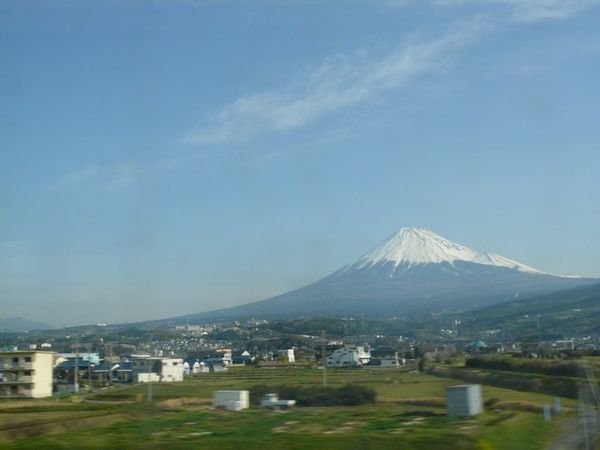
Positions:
(409, 415)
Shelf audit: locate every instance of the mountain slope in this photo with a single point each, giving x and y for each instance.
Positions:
(13, 324)
(414, 270)
(569, 312)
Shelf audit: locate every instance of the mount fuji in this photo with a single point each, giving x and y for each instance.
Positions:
(415, 270)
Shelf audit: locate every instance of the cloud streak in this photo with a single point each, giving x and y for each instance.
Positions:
(532, 10)
(335, 85)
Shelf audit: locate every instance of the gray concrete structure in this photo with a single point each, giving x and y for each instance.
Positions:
(464, 400)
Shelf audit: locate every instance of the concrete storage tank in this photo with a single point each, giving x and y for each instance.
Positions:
(464, 400)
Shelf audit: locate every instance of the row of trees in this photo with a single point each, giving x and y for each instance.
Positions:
(346, 395)
(551, 385)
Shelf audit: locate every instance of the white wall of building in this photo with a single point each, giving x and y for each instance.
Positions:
(147, 377)
(287, 355)
(349, 356)
(172, 369)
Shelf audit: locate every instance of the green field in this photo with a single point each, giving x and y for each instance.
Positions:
(409, 414)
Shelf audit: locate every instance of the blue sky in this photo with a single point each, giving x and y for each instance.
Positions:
(163, 158)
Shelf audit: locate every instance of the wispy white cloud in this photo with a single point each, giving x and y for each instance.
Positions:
(335, 85)
(398, 2)
(532, 10)
(118, 175)
(80, 175)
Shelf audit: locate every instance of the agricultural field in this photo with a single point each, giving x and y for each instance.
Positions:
(409, 413)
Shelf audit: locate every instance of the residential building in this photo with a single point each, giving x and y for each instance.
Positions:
(286, 355)
(26, 374)
(64, 373)
(384, 361)
(349, 356)
(566, 344)
(226, 355)
(200, 367)
(147, 369)
(93, 358)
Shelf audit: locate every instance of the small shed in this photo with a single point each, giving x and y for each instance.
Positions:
(464, 400)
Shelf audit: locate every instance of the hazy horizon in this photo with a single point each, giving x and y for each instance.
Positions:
(162, 159)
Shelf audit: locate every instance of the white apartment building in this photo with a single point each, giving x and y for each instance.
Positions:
(26, 374)
(147, 369)
(349, 356)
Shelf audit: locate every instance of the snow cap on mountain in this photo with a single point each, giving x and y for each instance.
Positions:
(411, 246)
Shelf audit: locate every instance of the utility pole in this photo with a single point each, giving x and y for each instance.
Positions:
(76, 370)
(323, 358)
(91, 367)
(110, 360)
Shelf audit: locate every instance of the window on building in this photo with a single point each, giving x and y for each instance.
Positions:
(28, 359)
(27, 373)
(15, 360)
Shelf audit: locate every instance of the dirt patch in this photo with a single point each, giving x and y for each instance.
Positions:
(179, 403)
(62, 425)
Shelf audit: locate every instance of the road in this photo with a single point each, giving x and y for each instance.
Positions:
(569, 437)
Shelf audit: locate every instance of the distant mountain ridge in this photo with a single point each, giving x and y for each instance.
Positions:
(13, 324)
(415, 269)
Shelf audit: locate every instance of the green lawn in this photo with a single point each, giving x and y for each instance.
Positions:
(370, 427)
(180, 417)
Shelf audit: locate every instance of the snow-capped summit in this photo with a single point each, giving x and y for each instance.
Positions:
(411, 246)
